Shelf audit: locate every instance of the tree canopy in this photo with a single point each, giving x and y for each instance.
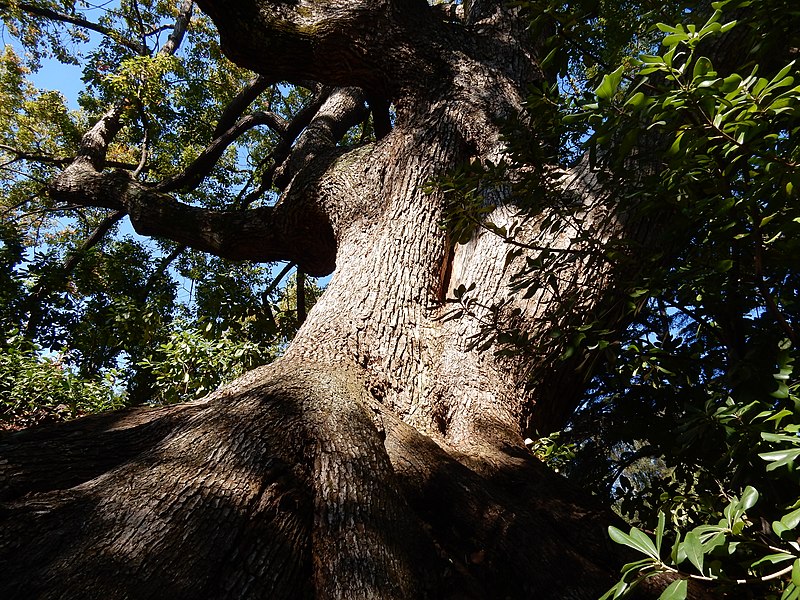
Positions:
(82, 292)
(682, 407)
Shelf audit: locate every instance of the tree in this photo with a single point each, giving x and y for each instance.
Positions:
(383, 454)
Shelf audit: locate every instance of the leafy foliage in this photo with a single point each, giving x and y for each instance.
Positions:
(77, 283)
(190, 364)
(36, 389)
(697, 418)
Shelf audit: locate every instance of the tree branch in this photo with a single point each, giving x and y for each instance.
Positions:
(94, 143)
(343, 109)
(333, 42)
(44, 286)
(40, 11)
(381, 119)
(276, 280)
(293, 231)
(55, 160)
(240, 102)
(301, 297)
(191, 177)
(165, 262)
(284, 147)
(179, 29)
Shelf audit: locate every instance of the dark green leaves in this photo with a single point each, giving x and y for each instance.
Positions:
(609, 85)
(676, 590)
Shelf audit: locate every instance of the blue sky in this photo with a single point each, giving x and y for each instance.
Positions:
(64, 78)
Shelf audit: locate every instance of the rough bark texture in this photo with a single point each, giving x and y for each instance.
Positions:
(382, 456)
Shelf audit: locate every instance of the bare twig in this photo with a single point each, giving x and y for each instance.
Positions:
(161, 268)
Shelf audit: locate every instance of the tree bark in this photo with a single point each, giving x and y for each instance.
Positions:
(382, 456)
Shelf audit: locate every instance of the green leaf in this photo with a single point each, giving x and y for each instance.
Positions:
(702, 67)
(662, 518)
(636, 540)
(791, 592)
(676, 590)
(694, 550)
(670, 28)
(749, 498)
(723, 265)
(612, 593)
(731, 83)
(637, 100)
(715, 541)
(796, 572)
(780, 458)
(783, 72)
(618, 535)
(609, 85)
(644, 542)
(779, 528)
(674, 39)
(773, 559)
(791, 520)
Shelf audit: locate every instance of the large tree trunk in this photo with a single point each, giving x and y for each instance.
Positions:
(383, 455)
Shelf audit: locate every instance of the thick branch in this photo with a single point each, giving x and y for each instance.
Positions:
(342, 110)
(372, 44)
(381, 119)
(179, 29)
(290, 231)
(94, 143)
(284, 147)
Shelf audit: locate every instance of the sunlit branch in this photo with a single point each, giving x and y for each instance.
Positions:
(157, 30)
(94, 144)
(344, 108)
(290, 231)
(179, 30)
(54, 160)
(283, 149)
(295, 127)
